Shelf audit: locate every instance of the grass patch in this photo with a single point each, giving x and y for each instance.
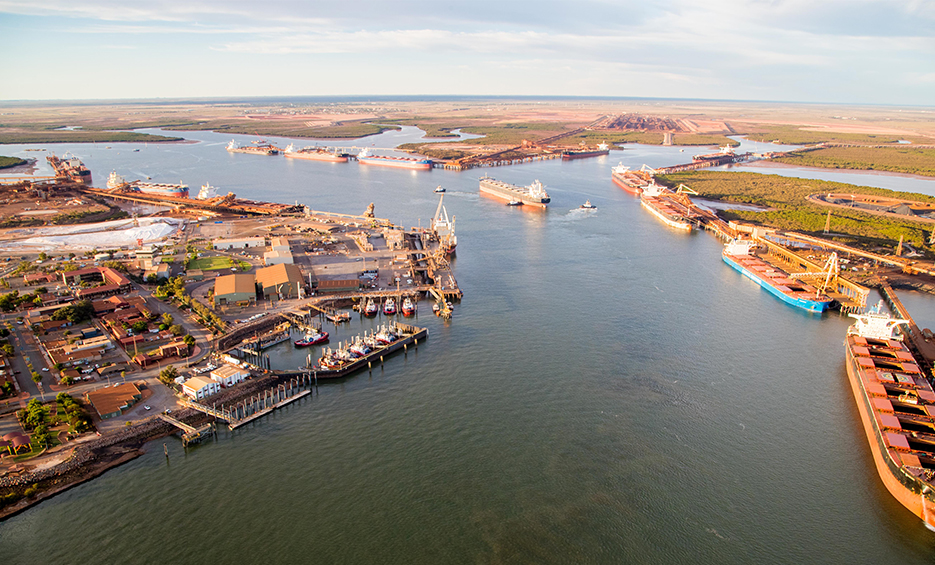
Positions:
(899, 159)
(211, 263)
(7, 162)
(795, 135)
(789, 209)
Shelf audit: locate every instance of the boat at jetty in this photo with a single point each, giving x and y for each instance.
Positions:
(631, 181)
(658, 200)
(896, 404)
(312, 337)
(534, 194)
(70, 168)
(365, 158)
(259, 147)
(571, 154)
(444, 228)
(371, 308)
(409, 307)
(315, 154)
(738, 254)
(725, 155)
(389, 307)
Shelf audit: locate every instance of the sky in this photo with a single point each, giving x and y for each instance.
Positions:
(830, 51)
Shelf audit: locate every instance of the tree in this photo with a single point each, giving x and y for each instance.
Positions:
(151, 278)
(168, 375)
(139, 326)
(167, 319)
(176, 329)
(66, 380)
(43, 256)
(41, 435)
(36, 377)
(7, 349)
(189, 340)
(9, 301)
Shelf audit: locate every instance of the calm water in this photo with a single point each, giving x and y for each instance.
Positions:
(609, 391)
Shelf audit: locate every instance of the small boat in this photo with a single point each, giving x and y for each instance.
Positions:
(515, 203)
(389, 307)
(385, 336)
(439, 188)
(312, 337)
(436, 308)
(359, 348)
(409, 307)
(371, 309)
(588, 206)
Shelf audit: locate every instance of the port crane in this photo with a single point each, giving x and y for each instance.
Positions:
(829, 273)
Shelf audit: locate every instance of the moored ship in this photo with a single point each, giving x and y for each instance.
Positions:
(259, 147)
(444, 228)
(896, 405)
(777, 282)
(117, 182)
(571, 154)
(658, 200)
(365, 158)
(70, 168)
(533, 195)
(312, 337)
(630, 181)
(315, 154)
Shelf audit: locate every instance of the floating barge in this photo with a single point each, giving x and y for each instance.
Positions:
(897, 408)
(777, 282)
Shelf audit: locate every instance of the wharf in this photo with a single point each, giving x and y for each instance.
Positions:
(924, 349)
(190, 434)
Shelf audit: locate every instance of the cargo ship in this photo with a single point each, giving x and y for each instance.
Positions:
(70, 168)
(533, 195)
(738, 254)
(657, 199)
(724, 156)
(896, 404)
(571, 154)
(315, 154)
(628, 180)
(115, 181)
(260, 147)
(444, 229)
(365, 158)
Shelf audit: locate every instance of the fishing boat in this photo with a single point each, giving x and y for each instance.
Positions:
(389, 307)
(409, 307)
(312, 337)
(371, 309)
(896, 403)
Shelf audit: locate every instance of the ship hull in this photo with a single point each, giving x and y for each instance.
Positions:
(905, 488)
(329, 157)
(627, 186)
(510, 195)
(817, 306)
(655, 208)
(572, 155)
(397, 163)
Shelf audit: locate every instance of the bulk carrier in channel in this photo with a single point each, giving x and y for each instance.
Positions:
(897, 408)
(315, 154)
(532, 195)
(738, 255)
(365, 158)
(260, 147)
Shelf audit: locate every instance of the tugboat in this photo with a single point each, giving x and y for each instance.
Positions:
(515, 203)
(409, 307)
(312, 337)
(371, 309)
(439, 188)
(588, 206)
(385, 336)
(389, 307)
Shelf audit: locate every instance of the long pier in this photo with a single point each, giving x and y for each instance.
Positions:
(916, 337)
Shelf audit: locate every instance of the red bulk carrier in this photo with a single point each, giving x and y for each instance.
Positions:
(897, 408)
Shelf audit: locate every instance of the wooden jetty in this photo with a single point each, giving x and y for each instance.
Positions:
(190, 434)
